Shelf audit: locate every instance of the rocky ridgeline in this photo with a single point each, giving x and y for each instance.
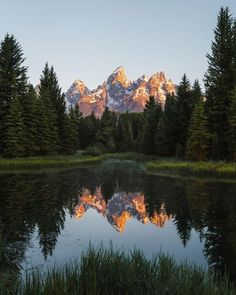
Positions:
(119, 93)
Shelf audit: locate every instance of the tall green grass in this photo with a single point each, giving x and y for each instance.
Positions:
(221, 169)
(47, 162)
(115, 272)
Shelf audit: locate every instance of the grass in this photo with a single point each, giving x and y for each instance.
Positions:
(47, 162)
(112, 271)
(217, 169)
(152, 163)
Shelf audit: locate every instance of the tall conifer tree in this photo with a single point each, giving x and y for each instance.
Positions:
(198, 136)
(14, 132)
(183, 114)
(232, 127)
(220, 81)
(13, 80)
(152, 114)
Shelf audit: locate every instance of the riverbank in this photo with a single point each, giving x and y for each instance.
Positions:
(152, 163)
(216, 169)
(37, 163)
(116, 272)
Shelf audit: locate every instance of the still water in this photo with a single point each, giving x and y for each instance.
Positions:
(50, 218)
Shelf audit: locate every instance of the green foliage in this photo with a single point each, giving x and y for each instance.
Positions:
(232, 127)
(161, 139)
(13, 80)
(88, 128)
(47, 133)
(183, 114)
(112, 271)
(152, 114)
(220, 80)
(14, 135)
(218, 169)
(170, 123)
(29, 115)
(128, 133)
(106, 132)
(49, 84)
(198, 136)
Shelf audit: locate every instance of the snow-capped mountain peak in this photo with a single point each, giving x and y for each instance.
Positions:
(119, 93)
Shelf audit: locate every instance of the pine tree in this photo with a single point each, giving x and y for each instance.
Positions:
(232, 127)
(13, 80)
(161, 139)
(196, 94)
(124, 133)
(106, 133)
(49, 83)
(198, 136)
(47, 135)
(14, 135)
(88, 129)
(28, 103)
(220, 80)
(183, 114)
(170, 123)
(152, 114)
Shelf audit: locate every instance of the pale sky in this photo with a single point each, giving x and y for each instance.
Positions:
(89, 39)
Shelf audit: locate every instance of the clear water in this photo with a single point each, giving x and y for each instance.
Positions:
(50, 218)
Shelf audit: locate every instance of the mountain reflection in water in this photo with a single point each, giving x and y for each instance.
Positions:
(120, 208)
(197, 217)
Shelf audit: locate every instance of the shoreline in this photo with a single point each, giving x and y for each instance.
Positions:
(151, 163)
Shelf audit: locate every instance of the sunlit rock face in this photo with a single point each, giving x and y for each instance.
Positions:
(119, 93)
(120, 208)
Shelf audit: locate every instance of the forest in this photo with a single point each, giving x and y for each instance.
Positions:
(194, 124)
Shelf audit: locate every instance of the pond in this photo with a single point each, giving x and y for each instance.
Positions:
(49, 218)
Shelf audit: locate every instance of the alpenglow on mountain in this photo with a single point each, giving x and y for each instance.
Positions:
(120, 94)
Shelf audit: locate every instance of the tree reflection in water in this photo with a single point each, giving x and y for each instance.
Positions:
(37, 203)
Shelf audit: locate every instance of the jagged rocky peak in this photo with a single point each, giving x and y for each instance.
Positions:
(119, 76)
(119, 93)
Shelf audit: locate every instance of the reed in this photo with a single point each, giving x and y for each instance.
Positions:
(109, 271)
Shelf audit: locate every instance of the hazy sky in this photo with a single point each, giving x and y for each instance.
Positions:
(88, 39)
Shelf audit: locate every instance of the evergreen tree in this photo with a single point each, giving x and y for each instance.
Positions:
(198, 136)
(183, 114)
(70, 138)
(232, 127)
(14, 134)
(220, 80)
(124, 134)
(74, 117)
(106, 132)
(13, 80)
(28, 103)
(161, 139)
(88, 128)
(47, 136)
(49, 84)
(152, 114)
(170, 123)
(196, 93)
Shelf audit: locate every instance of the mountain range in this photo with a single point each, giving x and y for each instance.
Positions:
(119, 93)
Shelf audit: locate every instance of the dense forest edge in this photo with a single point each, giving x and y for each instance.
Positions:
(111, 271)
(191, 126)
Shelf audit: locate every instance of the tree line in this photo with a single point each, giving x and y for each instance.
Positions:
(192, 124)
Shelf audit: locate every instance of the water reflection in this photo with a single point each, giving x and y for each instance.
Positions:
(120, 208)
(37, 205)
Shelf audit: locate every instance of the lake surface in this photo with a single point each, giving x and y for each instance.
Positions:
(49, 218)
